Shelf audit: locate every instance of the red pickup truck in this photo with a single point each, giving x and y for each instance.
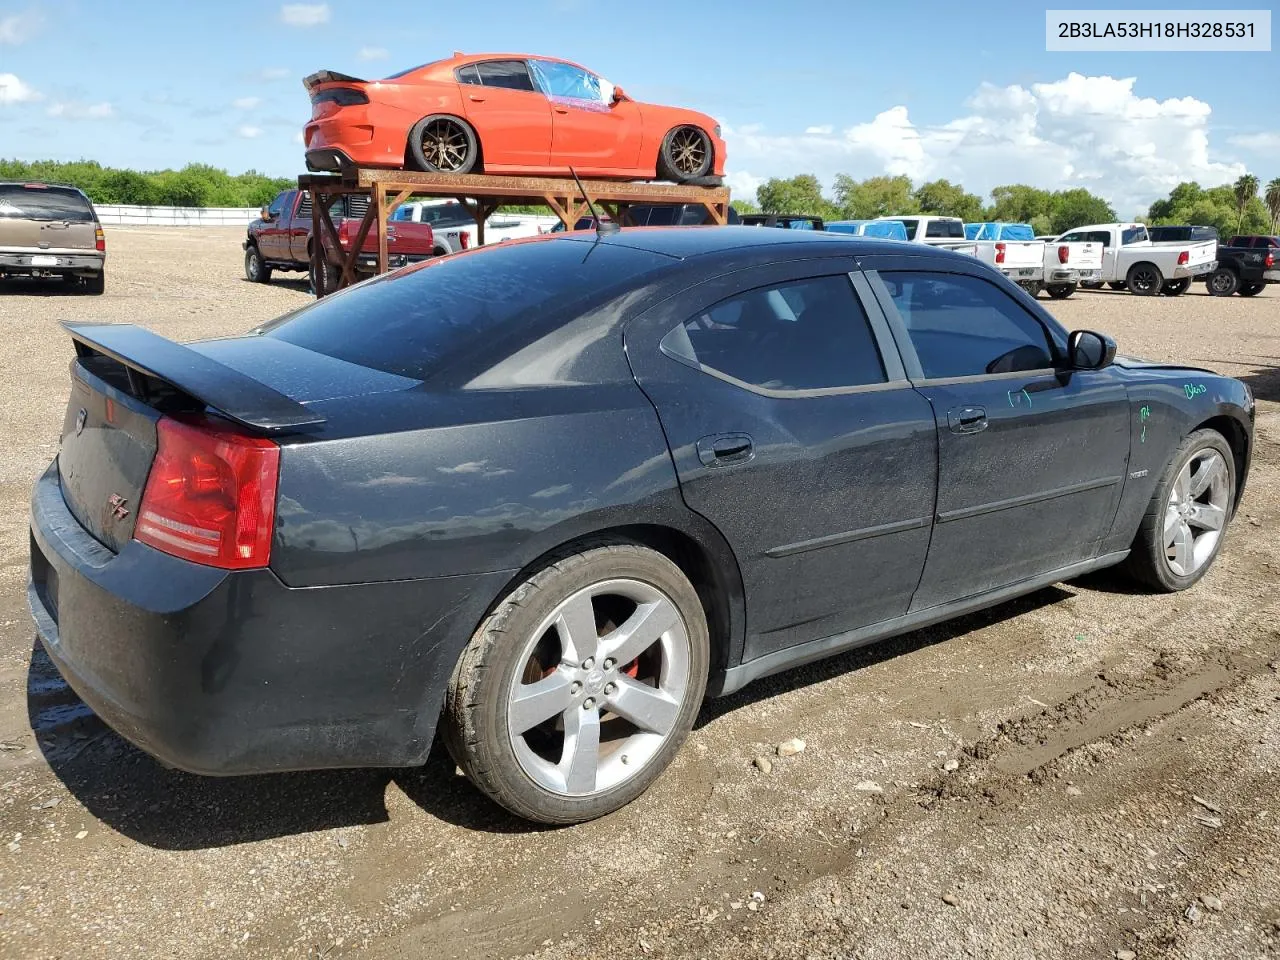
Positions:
(280, 239)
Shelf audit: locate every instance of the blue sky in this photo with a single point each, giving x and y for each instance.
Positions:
(964, 91)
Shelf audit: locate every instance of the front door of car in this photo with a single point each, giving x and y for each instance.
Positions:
(1031, 455)
(509, 114)
(273, 235)
(794, 431)
(589, 129)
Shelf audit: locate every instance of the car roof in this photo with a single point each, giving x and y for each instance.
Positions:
(466, 59)
(682, 243)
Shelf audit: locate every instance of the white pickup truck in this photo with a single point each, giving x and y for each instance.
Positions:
(1130, 261)
(946, 232)
(1012, 249)
(455, 230)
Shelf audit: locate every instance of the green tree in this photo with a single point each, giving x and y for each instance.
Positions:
(1216, 207)
(196, 185)
(1246, 189)
(1075, 208)
(1273, 203)
(745, 206)
(801, 194)
(874, 197)
(1019, 203)
(944, 198)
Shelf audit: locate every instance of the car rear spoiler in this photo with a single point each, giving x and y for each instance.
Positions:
(328, 76)
(239, 398)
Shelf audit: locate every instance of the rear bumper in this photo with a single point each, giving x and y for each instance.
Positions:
(228, 673)
(1198, 270)
(37, 262)
(1068, 275)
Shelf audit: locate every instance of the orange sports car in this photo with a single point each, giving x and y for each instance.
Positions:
(505, 113)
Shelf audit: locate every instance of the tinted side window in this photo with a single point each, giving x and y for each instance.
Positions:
(660, 216)
(1133, 235)
(805, 335)
(963, 326)
(510, 74)
(911, 226)
(945, 229)
(468, 74)
(277, 205)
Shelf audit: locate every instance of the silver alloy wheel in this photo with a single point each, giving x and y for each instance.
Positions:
(1196, 511)
(594, 698)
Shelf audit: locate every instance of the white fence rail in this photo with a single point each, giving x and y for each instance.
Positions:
(124, 214)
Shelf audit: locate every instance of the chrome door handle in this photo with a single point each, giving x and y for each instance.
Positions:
(967, 419)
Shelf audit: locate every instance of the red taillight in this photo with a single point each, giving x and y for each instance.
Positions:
(999, 253)
(465, 237)
(211, 495)
(1064, 254)
(100, 240)
(1270, 260)
(1183, 257)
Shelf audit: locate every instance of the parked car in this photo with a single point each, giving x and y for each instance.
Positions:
(454, 230)
(787, 221)
(504, 113)
(1245, 266)
(883, 229)
(51, 231)
(944, 232)
(280, 239)
(657, 215)
(310, 545)
(1130, 261)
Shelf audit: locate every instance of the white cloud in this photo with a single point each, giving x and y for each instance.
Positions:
(1265, 142)
(373, 53)
(273, 73)
(1093, 132)
(248, 132)
(13, 90)
(742, 184)
(20, 27)
(304, 14)
(823, 131)
(75, 110)
(246, 103)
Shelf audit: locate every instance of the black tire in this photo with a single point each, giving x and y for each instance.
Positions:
(327, 279)
(1175, 288)
(1144, 279)
(1222, 282)
(1060, 291)
(1117, 285)
(444, 144)
(1147, 561)
(475, 725)
(1033, 287)
(1251, 289)
(1091, 284)
(685, 155)
(255, 268)
(94, 285)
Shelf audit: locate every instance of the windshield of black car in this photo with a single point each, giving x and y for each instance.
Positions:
(20, 202)
(415, 321)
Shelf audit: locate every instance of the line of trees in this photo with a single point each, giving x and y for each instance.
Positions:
(1232, 209)
(195, 185)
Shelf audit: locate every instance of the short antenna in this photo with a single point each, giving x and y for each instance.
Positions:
(603, 227)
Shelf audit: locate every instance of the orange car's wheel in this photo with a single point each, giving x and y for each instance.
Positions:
(685, 155)
(444, 144)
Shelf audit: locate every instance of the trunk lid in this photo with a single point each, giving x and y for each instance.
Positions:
(124, 379)
(1023, 253)
(1081, 255)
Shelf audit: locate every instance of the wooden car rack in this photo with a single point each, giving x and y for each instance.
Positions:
(481, 195)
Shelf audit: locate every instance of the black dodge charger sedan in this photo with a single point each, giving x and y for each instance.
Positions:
(547, 495)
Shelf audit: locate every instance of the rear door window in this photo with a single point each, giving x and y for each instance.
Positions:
(806, 335)
(468, 75)
(44, 203)
(1133, 235)
(964, 326)
(508, 74)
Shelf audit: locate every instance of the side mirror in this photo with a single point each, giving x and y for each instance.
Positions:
(265, 215)
(1090, 351)
(618, 95)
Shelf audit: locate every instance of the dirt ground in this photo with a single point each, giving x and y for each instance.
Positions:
(1085, 772)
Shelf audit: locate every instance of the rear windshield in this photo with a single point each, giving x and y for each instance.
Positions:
(945, 229)
(414, 321)
(43, 203)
